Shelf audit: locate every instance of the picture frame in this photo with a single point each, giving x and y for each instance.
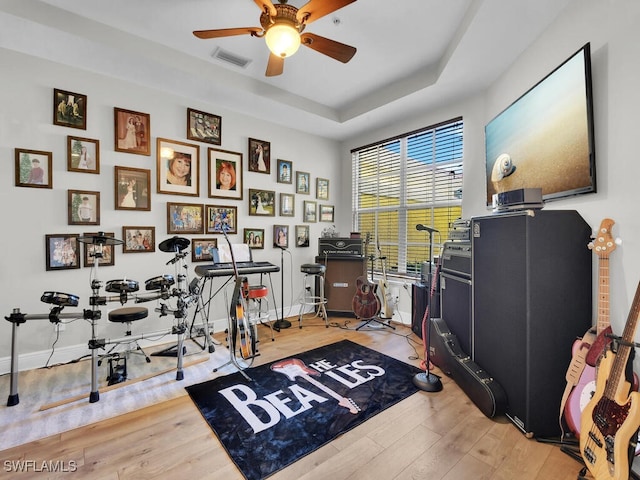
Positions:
(303, 180)
(322, 189)
(310, 208)
(62, 251)
(287, 204)
(69, 109)
(132, 131)
(281, 236)
(138, 239)
(225, 174)
(285, 171)
(204, 127)
(262, 202)
(326, 213)
(132, 188)
(177, 167)
(302, 235)
(83, 207)
(202, 249)
(185, 218)
(83, 155)
(254, 237)
(219, 216)
(108, 251)
(259, 156)
(34, 168)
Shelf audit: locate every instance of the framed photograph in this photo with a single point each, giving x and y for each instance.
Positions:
(63, 252)
(225, 174)
(262, 202)
(302, 235)
(132, 188)
(326, 213)
(322, 189)
(287, 204)
(178, 167)
(69, 109)
(285, 171)
(138, 239)
(254, 237)
(281, 236)
(302, 182)
(132, 131)
(310, 211)
(83, 155)
(259, 156)
(108, 253)
(34, 168)
(202, 249)
(185, 218)
(221, 217)
(204, 127)
(83, 207)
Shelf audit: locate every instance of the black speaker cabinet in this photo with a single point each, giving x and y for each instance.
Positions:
(456, 307)
(340, 282)
(531, 275)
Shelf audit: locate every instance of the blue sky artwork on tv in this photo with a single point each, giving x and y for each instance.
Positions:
(545, 138)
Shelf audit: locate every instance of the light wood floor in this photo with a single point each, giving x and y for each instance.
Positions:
(430, 436)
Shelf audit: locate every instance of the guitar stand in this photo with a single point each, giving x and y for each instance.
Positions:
(366, 322)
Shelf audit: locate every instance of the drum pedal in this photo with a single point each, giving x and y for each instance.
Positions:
(117, 370)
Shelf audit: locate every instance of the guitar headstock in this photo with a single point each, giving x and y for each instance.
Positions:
(603, 243)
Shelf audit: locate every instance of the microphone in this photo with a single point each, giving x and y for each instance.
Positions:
(424, 227)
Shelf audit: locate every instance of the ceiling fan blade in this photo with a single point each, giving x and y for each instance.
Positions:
(227, 32)
(315, 9)
(267, 6)
(336, 50)
(275, 66)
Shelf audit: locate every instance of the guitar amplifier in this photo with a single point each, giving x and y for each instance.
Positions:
(339, 247)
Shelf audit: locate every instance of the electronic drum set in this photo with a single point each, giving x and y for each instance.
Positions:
(157, 288)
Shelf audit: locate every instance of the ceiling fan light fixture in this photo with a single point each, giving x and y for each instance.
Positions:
(283, 39)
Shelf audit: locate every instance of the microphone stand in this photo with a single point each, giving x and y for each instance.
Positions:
(281, 322)
(426, 380)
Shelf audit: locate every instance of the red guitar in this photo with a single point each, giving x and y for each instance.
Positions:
(294, 367)
(591, 347)
(365, 303)
(612, 417)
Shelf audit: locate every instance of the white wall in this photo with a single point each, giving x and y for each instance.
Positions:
(26, 115)
(611, 28)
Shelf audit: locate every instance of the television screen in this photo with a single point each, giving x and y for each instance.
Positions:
(545, 138)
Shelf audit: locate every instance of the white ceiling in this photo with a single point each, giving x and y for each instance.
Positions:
(412, 55)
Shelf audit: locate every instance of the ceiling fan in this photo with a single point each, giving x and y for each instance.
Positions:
(282, 26)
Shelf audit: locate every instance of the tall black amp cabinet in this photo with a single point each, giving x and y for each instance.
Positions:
(531, 298)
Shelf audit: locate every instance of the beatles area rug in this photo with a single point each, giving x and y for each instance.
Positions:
(295, 405)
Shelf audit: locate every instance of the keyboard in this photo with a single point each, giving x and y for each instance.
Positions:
(226, 269)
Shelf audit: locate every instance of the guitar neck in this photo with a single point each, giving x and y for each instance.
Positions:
(604, 320)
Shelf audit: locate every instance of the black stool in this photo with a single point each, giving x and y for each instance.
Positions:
(313, 272)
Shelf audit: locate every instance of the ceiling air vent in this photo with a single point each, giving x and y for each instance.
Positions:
(231, 58)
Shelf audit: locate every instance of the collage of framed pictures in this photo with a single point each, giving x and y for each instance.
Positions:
(177, 167)
(225, 174)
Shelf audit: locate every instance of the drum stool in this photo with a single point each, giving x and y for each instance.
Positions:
(313, 273)
(118, 360)
(258, 306)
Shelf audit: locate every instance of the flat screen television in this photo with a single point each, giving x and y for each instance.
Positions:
(545, 138)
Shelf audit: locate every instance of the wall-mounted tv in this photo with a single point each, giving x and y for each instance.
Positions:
(545, 138)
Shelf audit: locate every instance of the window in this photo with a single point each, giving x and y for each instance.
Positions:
(399, 183)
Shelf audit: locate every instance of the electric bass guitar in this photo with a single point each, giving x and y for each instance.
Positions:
(365, 303)
(590, 348)
(612, 417)
(386, 310)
